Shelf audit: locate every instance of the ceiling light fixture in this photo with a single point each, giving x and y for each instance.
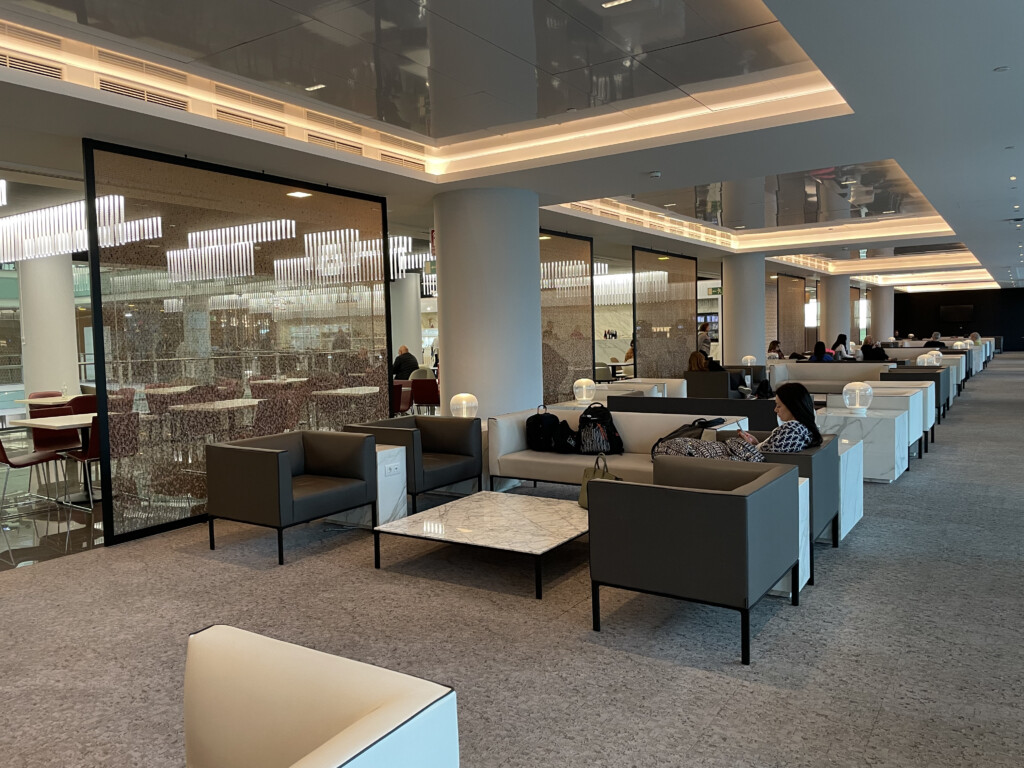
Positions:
(300, 194)
(663, 258)
(1013, 178)
(613, 3)
(671, 205)
(773, 277)
(3, 192)
(316, 87)
(886, 213)
(545, 237)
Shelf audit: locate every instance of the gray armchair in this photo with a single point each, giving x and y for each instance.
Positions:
(715, 532)
(820, 465)
(439, 450)
(710, 384)
(282, 480)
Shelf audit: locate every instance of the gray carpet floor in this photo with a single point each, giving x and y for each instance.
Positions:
(906, 653)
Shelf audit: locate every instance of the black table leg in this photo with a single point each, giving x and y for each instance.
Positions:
(538, 577)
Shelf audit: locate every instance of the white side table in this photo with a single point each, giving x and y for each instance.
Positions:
(884, 434)
(851, 485)
(391, 491)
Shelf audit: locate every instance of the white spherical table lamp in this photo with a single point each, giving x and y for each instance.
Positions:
(892, 338)
(857, 397)
(924, 360)
(464, 405)
(749, 360)
(583, 390)
(959, 345)
(936, 357)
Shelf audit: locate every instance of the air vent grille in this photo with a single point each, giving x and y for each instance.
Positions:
(137, 92)
(333, 122)
(633, 220)
(609, 215)
(250, 122)
(28, 65)
(127, 62)
(394, 141)
(31, 36)
(341, 146)
(405, 162)
(249, 98)
(581, 208)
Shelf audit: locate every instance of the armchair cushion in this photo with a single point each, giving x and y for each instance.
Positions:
(441, 469)
(315, 496)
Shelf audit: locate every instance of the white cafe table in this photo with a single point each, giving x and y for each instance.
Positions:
(616, 368)
(58, 400)
(281, 381)
(218, 405)
(884, 434)
(79, 421)
(167, 390)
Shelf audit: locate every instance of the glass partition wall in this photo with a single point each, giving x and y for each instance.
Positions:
(613, 310)
(232, 305)
(665, 307)
(566, 313)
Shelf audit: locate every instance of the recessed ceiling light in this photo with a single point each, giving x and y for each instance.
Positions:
(316, 87)
(663, 258)
(613, 3)
(1016, 207)
(740, 226)
(671, 205)
(545, 237)
(885, 213)
(1013, 178)
(773, 277)
(300, 194)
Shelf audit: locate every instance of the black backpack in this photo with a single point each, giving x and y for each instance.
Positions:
(567, 439)
(597, 431)
(695, 430)
(540, 430)
(764, 391)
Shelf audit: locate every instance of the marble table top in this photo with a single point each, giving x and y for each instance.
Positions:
(346, 391)
(218, 405)
(529, 524)
(75, 421)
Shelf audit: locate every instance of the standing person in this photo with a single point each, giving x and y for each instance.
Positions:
(629, 352)
(704, 339)
(839, 349)
(405, 364)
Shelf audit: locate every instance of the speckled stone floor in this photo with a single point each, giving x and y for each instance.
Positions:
(906, 653)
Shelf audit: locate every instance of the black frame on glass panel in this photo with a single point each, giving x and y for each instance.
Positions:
(89, 148)
(590, 240)
(635, 248)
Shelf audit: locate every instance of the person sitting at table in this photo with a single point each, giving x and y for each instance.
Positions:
(794, 407)
(839, 349)
(975, 338)
(871, 351)
(935, 341)
(698, 362)
(820, 354)
(405, 364)
(775, 351)
(629, 352)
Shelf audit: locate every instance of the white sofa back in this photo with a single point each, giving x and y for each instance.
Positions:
(666, 387)
(255, 702)
(781, 372)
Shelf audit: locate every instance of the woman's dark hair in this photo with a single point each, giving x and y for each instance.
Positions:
(840, 341)
(819, 350)
(697, 362)
(798, 400)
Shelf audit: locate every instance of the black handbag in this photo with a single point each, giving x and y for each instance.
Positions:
(694, 430)
(567, 439)
(541, 429)
(597, 431)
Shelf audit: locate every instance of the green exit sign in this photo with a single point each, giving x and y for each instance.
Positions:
(715, 291)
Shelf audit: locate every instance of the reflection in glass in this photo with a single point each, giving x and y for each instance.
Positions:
(665, 289)
(566, 314)
(208, 337)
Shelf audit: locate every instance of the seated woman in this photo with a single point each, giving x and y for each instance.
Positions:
(795, 408)
(775, 351)
(840, 351)
(820, 354)
(870, 352)
(698, 362)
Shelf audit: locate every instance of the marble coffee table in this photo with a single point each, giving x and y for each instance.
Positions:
(531, 525)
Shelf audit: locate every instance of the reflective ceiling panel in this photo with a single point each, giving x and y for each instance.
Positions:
(838, 193)
(452, 68)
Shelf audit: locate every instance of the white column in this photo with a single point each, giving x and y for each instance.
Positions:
(835, 310)
(742, 326)
(742, 307)
(49, 342)
(488, 302)
(881, 312)
(406, 327)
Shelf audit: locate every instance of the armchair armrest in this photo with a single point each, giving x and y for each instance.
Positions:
(251, 485)
(409, 438)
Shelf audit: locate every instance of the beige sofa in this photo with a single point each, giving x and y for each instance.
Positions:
(824, 378)
(508, 455)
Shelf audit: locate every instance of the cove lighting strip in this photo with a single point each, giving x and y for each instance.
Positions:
(3, 192)
(63, 229)
(213, 262)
